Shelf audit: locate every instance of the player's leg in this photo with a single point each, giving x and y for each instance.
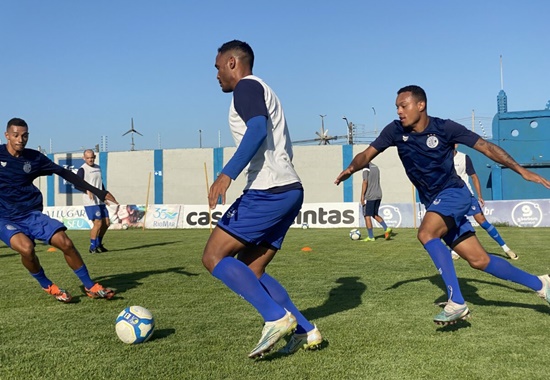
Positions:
(105, 223)
(471, 250)
(94, 214)
(368, 212)
(22, 244)
(493, 232)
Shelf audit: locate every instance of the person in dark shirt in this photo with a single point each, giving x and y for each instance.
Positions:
(22, 220)
(426, 146)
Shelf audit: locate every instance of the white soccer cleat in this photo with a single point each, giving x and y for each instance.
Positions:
(308, 341)
(272, 333)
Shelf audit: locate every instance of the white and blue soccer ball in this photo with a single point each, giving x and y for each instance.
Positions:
(305, 226)
(355, 234)
(135, 324)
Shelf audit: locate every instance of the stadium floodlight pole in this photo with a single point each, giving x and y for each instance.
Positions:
(349, 126)
(375, 126)
(200, 138)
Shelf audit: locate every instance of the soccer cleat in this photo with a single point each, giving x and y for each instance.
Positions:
(455, 255)
(368, 239)
(544, 293)
(308, 341)
(101, 248)
(511, 254)
(452, 313)
(387, 233)
(60, 294)
(94, 250)
(272, 333)
(98, 291)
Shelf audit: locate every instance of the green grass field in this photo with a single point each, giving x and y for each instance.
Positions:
(373, 302)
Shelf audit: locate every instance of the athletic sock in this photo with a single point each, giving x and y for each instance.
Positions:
(502, 269)
(443, 261)
(493, 232)
(93, 244)
(280, 295)
(370, 233)
(240, 279)
(82, 274)
(384, 225)
(41, 278)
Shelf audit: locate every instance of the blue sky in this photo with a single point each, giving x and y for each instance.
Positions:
(80, 70)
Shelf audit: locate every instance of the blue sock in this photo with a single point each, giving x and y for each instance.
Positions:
(502, 269)
(492, 231)
(82, 274)
(100, 241)
(441, 257)
(41, 278)
(93, 244)
(370, 232)
(280, 295)
(384, 225)
(240, 279)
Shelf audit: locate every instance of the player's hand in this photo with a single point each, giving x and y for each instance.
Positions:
(481, 202)
(343, 176)
(90, 194)
(218, 188)
(110, 199)
(534, 177)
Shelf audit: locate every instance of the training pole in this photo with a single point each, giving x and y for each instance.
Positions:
(207, 202)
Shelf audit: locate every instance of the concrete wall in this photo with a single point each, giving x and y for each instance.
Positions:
(177, 176)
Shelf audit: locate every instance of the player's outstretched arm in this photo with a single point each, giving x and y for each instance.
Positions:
(497, 154)
(359, 162)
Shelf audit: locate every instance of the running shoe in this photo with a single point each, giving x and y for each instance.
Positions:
(387, 233)
(101, 248)
(98, 291)
(544, 293)
(272, 333)
(94, 250)
(452, 313)
(511, 254)
(60, 294)
(308, 341)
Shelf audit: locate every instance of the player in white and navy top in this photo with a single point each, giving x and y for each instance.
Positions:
(465, 170)
(21, 218)
(96, 210)
(254, 227)
(426, 147)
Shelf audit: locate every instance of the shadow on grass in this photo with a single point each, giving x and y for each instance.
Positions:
(278, 355)
(162, 333)
(125, 281)
(469, 289)
(141, 246)
(343, 297)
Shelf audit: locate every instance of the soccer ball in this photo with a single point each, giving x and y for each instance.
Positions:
(135, 324)
(355, 234)
(305, 226)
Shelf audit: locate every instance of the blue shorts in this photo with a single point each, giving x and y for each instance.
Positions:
(34, 225)
(95, 212)
(260, 217)
(371, 207)
(454, 204)
(475, 208)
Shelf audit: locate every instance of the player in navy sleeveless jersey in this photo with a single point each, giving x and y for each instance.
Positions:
(21, 218)
(252, 230)
(425, 146)
(465, 169)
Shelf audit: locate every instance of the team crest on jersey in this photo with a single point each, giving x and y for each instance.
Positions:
(405, 138)
(3, 163)
(27, 167)
(432, 141)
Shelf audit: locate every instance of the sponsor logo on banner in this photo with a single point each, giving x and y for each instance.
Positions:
(527, 214)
